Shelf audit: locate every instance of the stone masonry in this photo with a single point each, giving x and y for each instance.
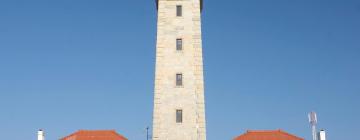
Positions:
(168, 96)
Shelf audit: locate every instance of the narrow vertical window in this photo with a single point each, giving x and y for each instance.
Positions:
(179, 10)
(179, 116)
(179, 44)
(179, 79)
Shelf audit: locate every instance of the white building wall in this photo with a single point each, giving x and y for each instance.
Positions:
(322, 135)
(40, 135)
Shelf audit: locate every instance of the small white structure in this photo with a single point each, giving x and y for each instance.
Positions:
(322, 135)
(41, 135)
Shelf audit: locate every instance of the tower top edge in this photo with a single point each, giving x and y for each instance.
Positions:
(201, 4)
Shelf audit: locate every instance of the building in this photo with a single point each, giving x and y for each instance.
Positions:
(267, 135)
(94, 135)
(179, 108)
(321, 135)
(40, 135)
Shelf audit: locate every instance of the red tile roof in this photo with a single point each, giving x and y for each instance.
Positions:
(267, 135)
(94, 135)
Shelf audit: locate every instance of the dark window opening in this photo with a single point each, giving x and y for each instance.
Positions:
(179, 116)
(179, 81)
(179, 10)
(179, 44)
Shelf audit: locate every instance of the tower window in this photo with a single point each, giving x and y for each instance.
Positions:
(179, 116)
(179, 79)
(179, 10)
(179, 44)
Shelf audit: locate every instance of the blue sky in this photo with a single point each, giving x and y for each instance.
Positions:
(89, 64)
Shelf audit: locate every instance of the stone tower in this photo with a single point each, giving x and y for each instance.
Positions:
(179, 107)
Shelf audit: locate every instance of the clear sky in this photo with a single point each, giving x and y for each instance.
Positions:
(89, 64)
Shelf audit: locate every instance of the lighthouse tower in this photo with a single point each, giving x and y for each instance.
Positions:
(179, 107)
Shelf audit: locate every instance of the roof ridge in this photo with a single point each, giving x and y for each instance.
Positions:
(86, 132)
(96, 130)
(253, 132)
(249, 131)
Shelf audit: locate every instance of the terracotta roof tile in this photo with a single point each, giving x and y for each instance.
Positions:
(267, 135)
(94, 135)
